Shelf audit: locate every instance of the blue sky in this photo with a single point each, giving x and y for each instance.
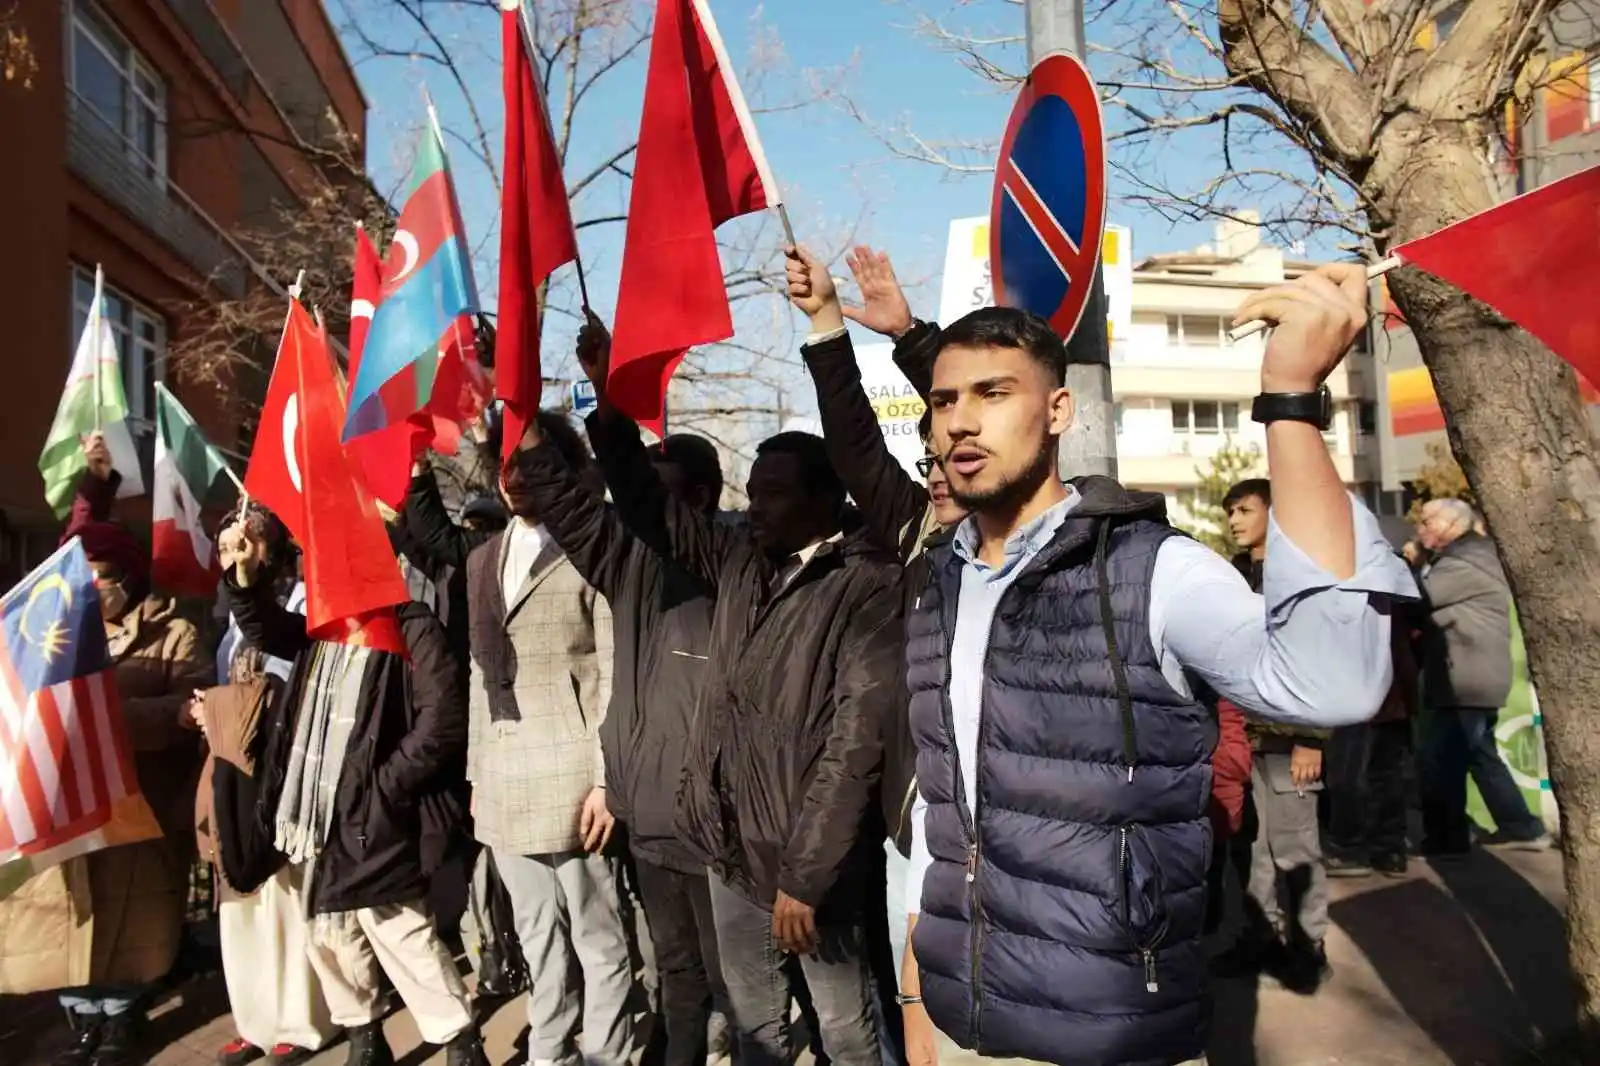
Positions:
(836, 173)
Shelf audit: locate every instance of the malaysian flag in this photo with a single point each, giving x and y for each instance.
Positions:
(67, 782)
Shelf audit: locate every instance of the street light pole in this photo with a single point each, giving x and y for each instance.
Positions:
(1090, 446)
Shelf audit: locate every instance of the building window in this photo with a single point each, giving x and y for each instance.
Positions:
(141, 336)
(1205, 331)
(120, 86)
(1204, 417)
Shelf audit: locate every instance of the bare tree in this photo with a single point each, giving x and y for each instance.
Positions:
(17, 61)
(729, 392)
(1382, 122)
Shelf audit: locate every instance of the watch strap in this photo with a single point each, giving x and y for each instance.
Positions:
(1314, 408)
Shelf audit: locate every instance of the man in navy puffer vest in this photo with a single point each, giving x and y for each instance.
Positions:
(1056, 662)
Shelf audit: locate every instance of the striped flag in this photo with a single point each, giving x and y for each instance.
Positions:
(67, 781)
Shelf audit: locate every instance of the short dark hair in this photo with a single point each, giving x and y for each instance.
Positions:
(559, 431)
(1007, 327)
(925, 424)
(817, 474)
(1259, 487)
(696, 456)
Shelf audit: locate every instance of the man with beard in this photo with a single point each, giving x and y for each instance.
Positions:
(779, 796)
(1057, 662)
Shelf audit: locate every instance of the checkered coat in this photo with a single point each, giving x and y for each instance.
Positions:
(530, 776)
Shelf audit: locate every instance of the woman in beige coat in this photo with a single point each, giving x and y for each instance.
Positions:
(102, 927)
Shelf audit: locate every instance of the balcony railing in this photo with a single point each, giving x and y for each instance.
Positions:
(99, 154)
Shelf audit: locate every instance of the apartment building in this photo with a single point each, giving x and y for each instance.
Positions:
(153, 137)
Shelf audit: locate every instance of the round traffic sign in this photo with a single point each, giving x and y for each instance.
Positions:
(1048, 211)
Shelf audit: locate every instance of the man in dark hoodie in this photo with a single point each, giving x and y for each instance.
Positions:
(1060, 835)
(661, 625)
(779, 795)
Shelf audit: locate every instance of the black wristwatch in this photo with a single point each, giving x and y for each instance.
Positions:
(1313, 407)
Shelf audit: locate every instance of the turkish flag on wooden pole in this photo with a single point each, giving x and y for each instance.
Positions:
(299, 470)
(536, 233)
(1532, 259)
(699, 163)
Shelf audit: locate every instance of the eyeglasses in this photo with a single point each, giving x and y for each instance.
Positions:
(926, 464)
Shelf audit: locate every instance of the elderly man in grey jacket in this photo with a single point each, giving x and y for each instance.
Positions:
(1466, 677)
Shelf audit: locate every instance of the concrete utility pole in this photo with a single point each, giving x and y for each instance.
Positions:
(1090, 446)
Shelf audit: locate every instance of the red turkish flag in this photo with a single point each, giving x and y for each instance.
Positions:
(385, 457)
(699, 163)
(1532, 259)
(299, 470)
(536, 234)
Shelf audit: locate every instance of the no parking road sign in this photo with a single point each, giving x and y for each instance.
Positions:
(1049, 208)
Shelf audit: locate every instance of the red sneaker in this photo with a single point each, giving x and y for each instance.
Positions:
(289, 1055)
(238, 1052)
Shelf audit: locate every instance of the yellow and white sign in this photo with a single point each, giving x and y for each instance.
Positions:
(967, 284)
(894, 401)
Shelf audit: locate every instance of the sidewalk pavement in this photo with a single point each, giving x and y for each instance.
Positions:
(1455, 965)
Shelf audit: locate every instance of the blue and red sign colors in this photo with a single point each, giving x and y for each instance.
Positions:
(1049, 207)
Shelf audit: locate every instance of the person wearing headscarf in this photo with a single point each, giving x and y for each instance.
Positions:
(102, 927)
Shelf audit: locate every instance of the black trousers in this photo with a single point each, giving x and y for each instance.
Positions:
(677, 907)
(1366, 783)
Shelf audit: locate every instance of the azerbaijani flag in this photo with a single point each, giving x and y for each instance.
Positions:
(427, 287)
(182, 558)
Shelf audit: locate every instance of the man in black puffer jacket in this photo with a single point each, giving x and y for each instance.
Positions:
(780, 791)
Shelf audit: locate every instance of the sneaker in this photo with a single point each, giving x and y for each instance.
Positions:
(238, 1052)
(122, 1041)
(719, 1038)
(1346, 866)
(1499, 840)
(289, 1055)
(369, 1047)
(85, 1040)
(1390, 864)
(466, 1050)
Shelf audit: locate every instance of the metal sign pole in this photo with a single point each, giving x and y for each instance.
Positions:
(1090, 446)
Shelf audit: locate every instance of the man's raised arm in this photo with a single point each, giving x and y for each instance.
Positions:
(670, 528)
(894, 503)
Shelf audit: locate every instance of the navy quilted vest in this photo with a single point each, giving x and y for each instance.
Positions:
(1063, 923)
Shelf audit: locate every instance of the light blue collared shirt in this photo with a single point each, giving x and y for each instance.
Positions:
(1308, 650)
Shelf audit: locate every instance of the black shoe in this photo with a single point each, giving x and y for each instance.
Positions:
(1446, 850)
(1346, 866)
(86, 1030)
(1390, 863)
(466, 1050)
(1304, 969)
(369, 1047)
(122, 1041)
(1250, 957)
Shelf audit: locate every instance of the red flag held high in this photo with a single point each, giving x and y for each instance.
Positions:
(300, 471)
(536, 234)
(384, 457)
(1532, 259)
(699, 163)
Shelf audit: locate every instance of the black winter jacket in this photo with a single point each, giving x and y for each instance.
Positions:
(895, 507)
(661, 626)
(394, 819)
(781, 785)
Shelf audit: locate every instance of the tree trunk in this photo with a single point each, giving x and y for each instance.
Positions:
(1521, 433)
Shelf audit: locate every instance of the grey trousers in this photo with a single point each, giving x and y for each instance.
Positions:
(566, 906)
(839, 978)
(1288, 842)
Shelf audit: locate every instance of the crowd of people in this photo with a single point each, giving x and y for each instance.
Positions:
(664, 751)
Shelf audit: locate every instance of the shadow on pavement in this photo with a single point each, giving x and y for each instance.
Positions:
(1486, 938)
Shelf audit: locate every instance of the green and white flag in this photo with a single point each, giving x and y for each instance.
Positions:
(183, 559)
(92, 400)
